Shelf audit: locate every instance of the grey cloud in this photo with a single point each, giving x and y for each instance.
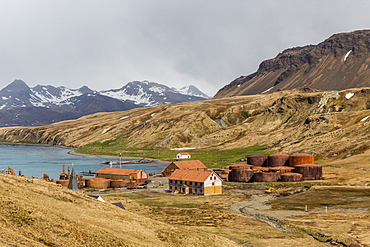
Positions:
(105, 44)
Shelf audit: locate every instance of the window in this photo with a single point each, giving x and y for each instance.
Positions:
(213, 183)
(170, 187)
(195, 190)
(191, 183)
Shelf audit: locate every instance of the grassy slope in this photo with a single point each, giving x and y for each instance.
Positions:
(211, 214)
(323, 123)
(37, 213)
(347, 220)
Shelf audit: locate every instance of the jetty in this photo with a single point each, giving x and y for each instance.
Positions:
(121, 162)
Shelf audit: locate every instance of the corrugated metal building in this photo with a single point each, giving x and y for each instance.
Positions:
(122, 173)
(184, 165)
(195, 182)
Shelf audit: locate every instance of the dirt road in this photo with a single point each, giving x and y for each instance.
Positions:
(257, 208)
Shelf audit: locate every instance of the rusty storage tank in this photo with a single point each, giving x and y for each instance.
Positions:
(132, 184)
(260, 169)
(298, 159)
(241, 174)
(119, 183)
(291, 177)
(281, 169)
(309, 171)
(266, 176)
(244, 165)
(222, 173)
(63, 182)
(257, 160)
(274, 160)
(97, 182)
(80, 183)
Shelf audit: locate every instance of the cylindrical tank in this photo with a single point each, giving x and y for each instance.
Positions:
(298, 159)
(281, 169)
(257, 160)
(309, 171)
(222, 173)
(63, 176)
(80, 184)
(119, 183)
(240, 165)
(63, 182)
(266, 176)
(240, 174)
(97, 182)
(132, 184)
(291, 177)
(278, 160)
(260, 168)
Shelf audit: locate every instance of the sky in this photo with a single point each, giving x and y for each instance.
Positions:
(107, 43)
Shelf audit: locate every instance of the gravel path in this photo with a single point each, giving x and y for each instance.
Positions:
(257, 208)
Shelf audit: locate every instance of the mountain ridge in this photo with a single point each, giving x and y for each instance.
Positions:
(328, 124)
(54, 104)
(339, 62)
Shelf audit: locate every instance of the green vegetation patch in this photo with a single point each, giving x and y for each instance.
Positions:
(211, 158)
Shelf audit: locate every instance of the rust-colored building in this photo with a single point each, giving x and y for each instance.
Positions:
(195, 182)
(184, 165)
(122, 173)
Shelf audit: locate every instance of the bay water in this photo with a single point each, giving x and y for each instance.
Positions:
(34, 160)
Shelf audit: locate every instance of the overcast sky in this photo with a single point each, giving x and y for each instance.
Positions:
(105, 44)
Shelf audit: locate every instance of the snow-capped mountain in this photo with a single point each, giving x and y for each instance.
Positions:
(41, 105)
(192, 91)
(150, 94)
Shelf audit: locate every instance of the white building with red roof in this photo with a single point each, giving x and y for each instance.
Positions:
(195, 182)
(183, 155)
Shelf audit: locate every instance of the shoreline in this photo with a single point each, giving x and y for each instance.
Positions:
(73, 152)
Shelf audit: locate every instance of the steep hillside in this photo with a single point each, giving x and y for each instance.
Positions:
(38, 213)
(333, 124)
(338, 63)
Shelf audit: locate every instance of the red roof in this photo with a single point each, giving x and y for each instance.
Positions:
(117, 171)
(190, 164)
(185, 153)
(190, 175)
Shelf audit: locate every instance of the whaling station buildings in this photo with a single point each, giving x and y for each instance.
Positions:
(273, 168)
(193, 177)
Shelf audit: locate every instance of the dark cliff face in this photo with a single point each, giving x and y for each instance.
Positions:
(338, 63)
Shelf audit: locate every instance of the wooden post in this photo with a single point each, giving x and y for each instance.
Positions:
(305, 208)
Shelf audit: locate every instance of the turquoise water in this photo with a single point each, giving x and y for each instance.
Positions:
(37, 160)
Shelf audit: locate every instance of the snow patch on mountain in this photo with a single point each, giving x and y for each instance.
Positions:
(42, 96)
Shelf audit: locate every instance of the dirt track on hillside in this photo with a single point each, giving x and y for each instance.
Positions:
(257, 208)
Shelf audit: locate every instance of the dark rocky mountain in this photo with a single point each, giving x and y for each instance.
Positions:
(21, 105)
(340, 62)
